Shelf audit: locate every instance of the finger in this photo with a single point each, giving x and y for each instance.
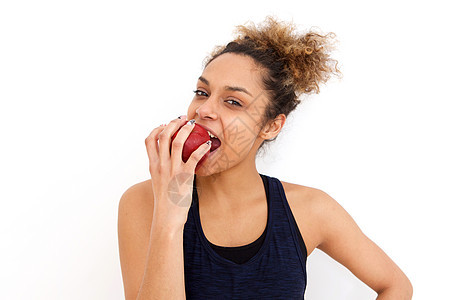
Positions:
(178, 143)
(151, 144)
(197, 155)
(165, 139)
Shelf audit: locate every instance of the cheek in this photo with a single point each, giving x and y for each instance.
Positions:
(240, 135)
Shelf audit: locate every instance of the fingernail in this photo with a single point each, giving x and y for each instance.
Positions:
(182, 117)
(191, 122)
(208, 142)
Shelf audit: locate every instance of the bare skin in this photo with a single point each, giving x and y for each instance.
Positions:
(230, 219)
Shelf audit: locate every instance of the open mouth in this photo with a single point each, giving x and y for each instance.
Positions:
(215, 142)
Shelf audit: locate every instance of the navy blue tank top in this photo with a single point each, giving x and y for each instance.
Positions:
(276, 270)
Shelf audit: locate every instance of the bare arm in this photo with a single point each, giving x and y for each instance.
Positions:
(164, 273)
(152, 217)
(151, 254)
(343, 240)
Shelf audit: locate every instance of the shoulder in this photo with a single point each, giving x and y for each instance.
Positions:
(301, 192)
(315, 200)
(307, 197)
(312, 208)
(134, 226)
(136, 208)
(138, 194)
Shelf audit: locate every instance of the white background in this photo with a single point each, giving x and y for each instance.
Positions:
(82, 84)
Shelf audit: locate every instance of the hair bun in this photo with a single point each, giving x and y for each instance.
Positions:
(305, 56)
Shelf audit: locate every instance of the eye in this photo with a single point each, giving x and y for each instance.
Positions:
(238, 104)
(204, 94)
(199, 91)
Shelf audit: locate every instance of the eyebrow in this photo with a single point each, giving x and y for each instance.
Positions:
(227, 87)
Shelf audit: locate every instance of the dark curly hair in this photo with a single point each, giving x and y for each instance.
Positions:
(294, 63)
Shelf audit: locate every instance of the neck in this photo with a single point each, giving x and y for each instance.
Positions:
(232, 190)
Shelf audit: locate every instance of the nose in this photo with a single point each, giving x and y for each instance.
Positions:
(207, 110)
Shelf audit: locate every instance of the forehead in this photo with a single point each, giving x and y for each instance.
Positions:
(234, 69)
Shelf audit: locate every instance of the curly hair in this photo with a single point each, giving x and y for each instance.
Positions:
(294, 63)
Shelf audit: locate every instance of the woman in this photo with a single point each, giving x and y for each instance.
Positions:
(225, 230)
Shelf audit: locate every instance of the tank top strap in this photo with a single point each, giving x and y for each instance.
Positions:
(284, 220)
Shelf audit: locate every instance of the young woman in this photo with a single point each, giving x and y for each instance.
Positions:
(224, 230)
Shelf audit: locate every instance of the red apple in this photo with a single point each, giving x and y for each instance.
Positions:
(196, 138)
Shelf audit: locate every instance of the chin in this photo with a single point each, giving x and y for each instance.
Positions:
(216, 164)
(204, 171)
(208, 167)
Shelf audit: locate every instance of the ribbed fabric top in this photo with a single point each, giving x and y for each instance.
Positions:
(241, 254)
(277, 269)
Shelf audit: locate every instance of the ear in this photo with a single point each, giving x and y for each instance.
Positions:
(272, 128)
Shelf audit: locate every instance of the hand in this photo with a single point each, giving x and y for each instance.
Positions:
(172, 179)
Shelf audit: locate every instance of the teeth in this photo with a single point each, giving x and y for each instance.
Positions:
(212, 135)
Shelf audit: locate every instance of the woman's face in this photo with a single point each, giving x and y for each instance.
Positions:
(230, 101)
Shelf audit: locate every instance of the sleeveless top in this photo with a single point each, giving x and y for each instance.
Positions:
(272, 267)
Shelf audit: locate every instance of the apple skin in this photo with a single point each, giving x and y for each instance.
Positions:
(196, 138)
